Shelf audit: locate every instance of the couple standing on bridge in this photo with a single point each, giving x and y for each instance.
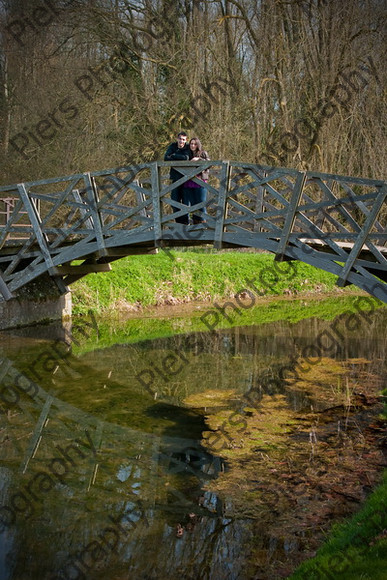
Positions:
(190, 193)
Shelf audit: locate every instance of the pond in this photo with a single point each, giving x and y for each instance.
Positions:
(145, 448)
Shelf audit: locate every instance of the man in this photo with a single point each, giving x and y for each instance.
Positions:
(178, 151)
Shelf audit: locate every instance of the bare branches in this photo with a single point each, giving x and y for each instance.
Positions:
(289, 81)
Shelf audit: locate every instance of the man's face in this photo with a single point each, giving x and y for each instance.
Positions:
(181, 141)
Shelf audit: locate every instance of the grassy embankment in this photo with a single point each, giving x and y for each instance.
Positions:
(356, 548)
(181, 277)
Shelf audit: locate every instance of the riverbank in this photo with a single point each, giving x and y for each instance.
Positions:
(173, 277)
(356, 548)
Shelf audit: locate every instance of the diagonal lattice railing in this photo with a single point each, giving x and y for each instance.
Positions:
(333, 222)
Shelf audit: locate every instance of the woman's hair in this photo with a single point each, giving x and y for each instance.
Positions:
(197, 143)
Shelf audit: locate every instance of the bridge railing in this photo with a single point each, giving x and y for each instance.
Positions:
(300, 215)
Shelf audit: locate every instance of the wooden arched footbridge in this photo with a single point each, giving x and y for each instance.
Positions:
(333, 222)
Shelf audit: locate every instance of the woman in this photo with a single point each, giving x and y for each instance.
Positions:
(194, 193)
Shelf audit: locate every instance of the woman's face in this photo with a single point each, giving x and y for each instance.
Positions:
(192, 145)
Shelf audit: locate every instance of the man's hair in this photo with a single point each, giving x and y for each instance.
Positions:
(182, 134)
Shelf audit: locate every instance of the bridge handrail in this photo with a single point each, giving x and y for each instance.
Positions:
(129, 168)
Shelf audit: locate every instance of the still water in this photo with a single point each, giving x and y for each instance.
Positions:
(203, 455)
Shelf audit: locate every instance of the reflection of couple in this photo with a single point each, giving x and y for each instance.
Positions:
(190, 193)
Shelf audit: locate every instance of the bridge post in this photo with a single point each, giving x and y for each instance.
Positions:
(92, 198)
(35, 220)
(224, 188)
(155, 182)
(290, 217)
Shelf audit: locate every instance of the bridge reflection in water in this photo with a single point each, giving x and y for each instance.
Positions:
(333, 222)
(99, 494)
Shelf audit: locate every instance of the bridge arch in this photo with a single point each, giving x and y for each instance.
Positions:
(333, 222)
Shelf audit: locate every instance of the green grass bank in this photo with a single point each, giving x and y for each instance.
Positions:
(356, 549)
(173, 277)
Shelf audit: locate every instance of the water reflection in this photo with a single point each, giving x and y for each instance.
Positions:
(102, 477)
(109, 490)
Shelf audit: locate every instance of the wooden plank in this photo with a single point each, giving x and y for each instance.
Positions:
(156, 186)
(29, 184)
(276, 175)
(21, 255)
(81, 269)
(352, 200)
(222, 204)
(366, 282)
(323, 255)
(236, 164)
(276, 195)
(124, 214)
(376, 252)
(4, 290)
(334, 203)
(169, 164)
(346, 178)
(188, 174)
(362, 260)
(312, 228)
(20, 279)
(63, 234)
(277, 171)
(58, 201)
(121, 252)
(338, 206)
(141, 199)
(76, 251)
(259, 206)
(233, 203)
(83, 209)
(92, 200)
(290, 216)
(121, 187)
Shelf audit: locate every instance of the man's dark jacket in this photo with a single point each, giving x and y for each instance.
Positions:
(173, 153)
